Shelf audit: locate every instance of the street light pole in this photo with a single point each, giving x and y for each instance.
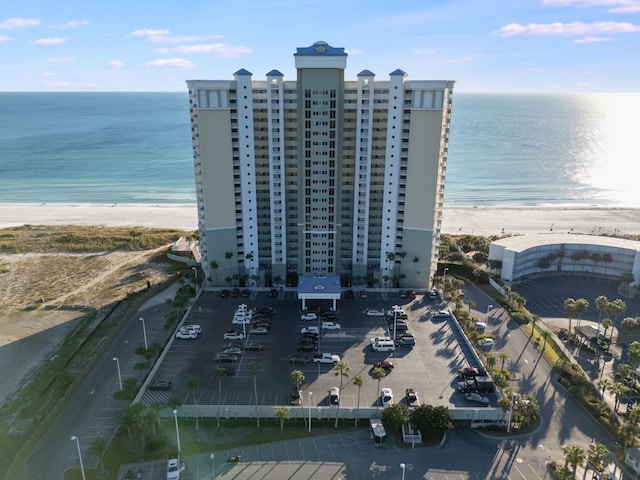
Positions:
(79, 456)
(144, 331)
(513, 397)
(213, 466)
(195, 276)
(541, 451)
(175, 416)
(444, 283)
(115, 359)
(486, 316)
(310, 394)
(403, 466)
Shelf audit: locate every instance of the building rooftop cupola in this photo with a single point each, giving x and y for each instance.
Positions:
(320, 55)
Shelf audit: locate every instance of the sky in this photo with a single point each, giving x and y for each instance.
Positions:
(546, 46)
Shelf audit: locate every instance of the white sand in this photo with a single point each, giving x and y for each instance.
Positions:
(456, 220)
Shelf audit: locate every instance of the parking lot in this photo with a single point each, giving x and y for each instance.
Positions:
(429, 367)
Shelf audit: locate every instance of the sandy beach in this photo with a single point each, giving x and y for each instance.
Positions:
(485, 221)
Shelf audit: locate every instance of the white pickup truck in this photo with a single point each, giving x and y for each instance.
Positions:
(325, 358)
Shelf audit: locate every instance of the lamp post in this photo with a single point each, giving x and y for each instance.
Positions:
(79, 456)
(403, 466)
(175, 416)
(513, 397)
(115, 359)
(310, 394)
(195, 276)
(486, 316)
(541, 452)
(144, 332)
(444, 283)
(213, 466)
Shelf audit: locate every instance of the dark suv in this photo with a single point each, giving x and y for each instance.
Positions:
(307, 347)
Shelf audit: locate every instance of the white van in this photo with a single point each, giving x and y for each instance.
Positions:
(383, 346)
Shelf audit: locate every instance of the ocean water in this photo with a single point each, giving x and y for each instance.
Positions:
(136, 148)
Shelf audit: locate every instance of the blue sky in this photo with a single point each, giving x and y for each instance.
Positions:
(485, 45)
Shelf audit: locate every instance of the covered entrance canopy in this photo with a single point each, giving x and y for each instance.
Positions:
(319, 287)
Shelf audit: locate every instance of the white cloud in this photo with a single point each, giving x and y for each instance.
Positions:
(352, 51)
(169, 63)
(145, 32)
(218, 49)
(590, 39)
(70, 24)
(178, 39)
(47, 74)
(429, 51)
(57, 84)
(566, 29)
(115, 64)
(616, 6)
(49, 41)
(5, 39)
(13, 23)
(459, 60)
(61, 59)
(161, 50)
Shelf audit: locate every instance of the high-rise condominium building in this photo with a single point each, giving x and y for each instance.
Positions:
(320, 174)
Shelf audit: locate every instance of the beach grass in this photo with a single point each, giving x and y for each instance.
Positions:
(83, 238)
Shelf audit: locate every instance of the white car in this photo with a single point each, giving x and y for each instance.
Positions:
(174, 469)
(186, 334)
(486, 342)
(386, 397)
(309, 316)
(241, 319)
(380, 339)
(330, 326)
(193, 328)
(307, 330)
(373, 312)
(481, 326)
(233, 335)
(476, 397)
(442, 314)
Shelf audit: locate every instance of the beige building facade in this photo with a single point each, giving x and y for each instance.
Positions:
(320, 174)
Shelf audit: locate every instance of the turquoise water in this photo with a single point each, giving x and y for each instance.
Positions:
(136, 148)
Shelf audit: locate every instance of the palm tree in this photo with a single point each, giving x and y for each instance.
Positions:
(341, 369)
(229, 256)
(282, 414)
(256, 368)
(596, 455)
(545, 334)
(214, 266)
(574, 455)
(401, 255)
(534, 319)
(192, 386)
(616, 308)
(98, 449)
(153, 417)
(617, 389)
(358, 382)
(607, 323)
(604, 384)
(490, 360)
(602, 302)
(378, 374)
(504, 357)
(298, 377)
(470, 304)
(218, 373)
(633, 354)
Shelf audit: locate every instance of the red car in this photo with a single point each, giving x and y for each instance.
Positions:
(471, 372)
(386, 365)
(412, 294)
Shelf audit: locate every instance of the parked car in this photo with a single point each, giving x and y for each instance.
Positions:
(406, 340)
(240, 319)
(273, 293)
(233, 335)
(399, 326)
(441, 315)
(254, 347)
(330, 326)
(468, 372)
(383, 338)
(259, 330)
(363, 295)
(310, 330)
(412, 397)
(308, 339)
(234, 458)
(481, 326)
(374, 312)
(233, 350)
(193, 328)
(299, 359)
(307, 347)
(174, 469)
(228, 371)
(268, 311)
(235, 292)
(386, 365)
(326, 358)
(232, 345)
(186, 335)
(222, 357)
(224, 293)
(386, 397)
(468, 385)
(412, 294)
(486, 342)
(334, 396)
(476, 397)
(246, 293)
(309, 316)
(432, 294)
(161, 385)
